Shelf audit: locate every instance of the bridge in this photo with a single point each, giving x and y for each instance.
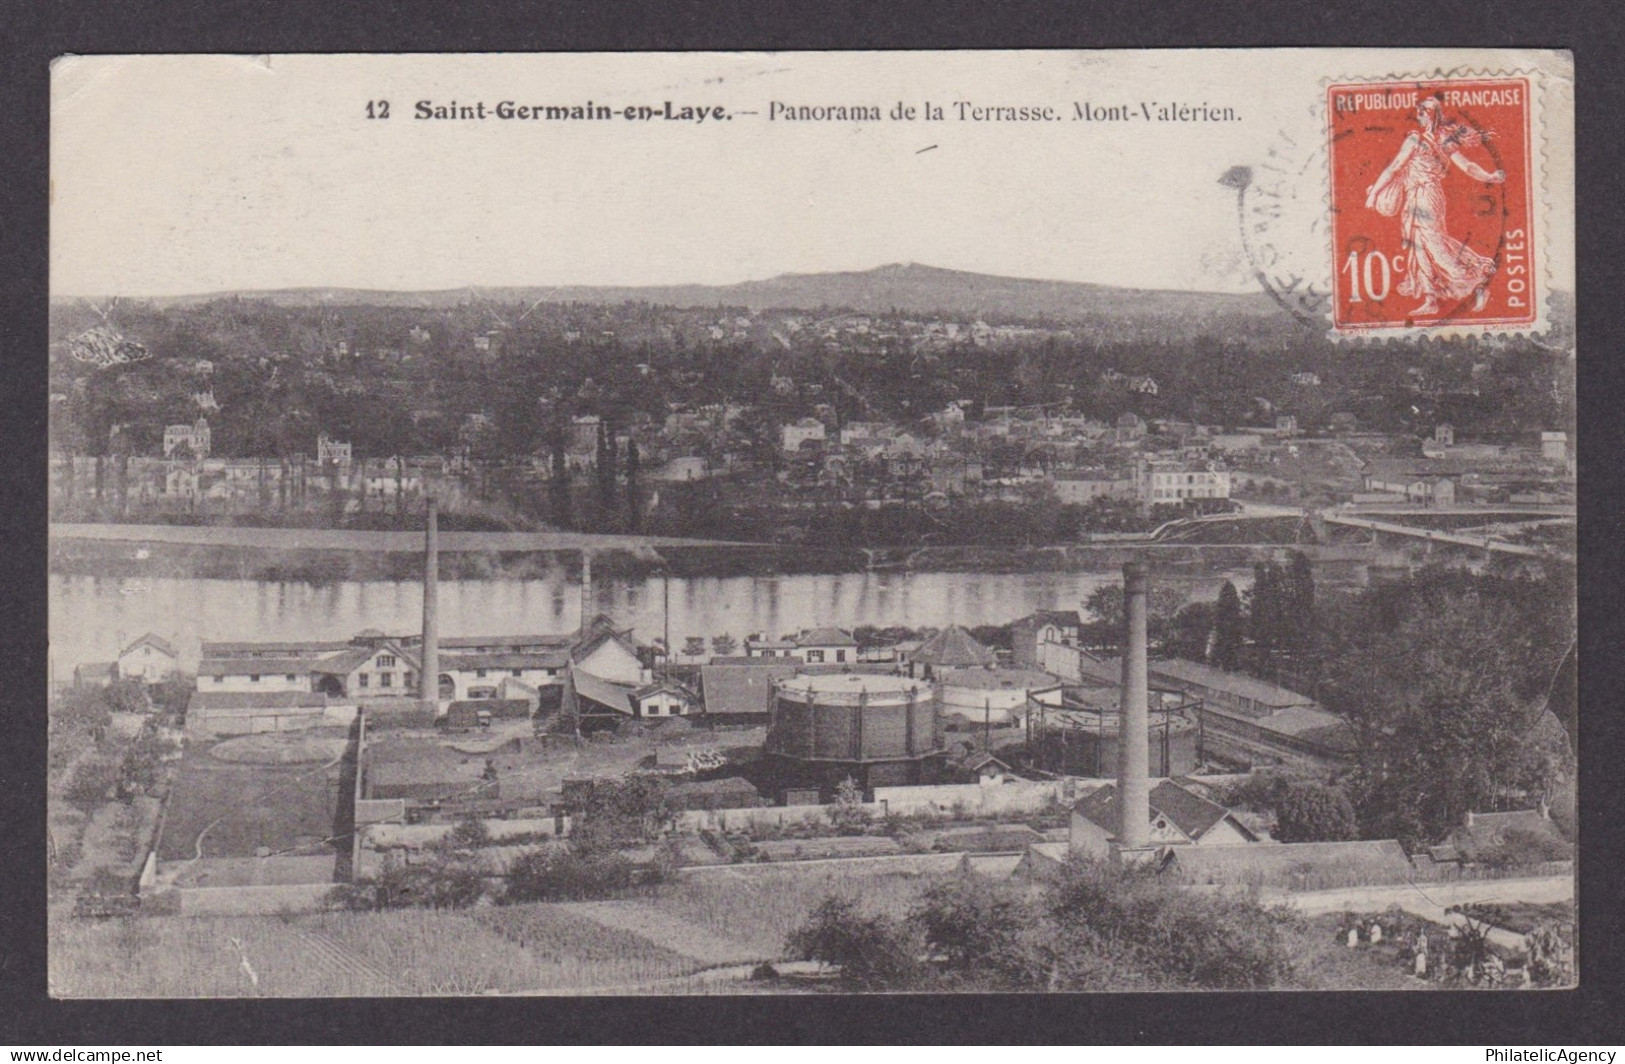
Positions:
(1314, 526)
(1487, 544)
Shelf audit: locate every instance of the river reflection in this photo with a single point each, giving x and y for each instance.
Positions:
(92, 617)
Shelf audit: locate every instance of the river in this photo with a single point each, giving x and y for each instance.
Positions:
(92, 617)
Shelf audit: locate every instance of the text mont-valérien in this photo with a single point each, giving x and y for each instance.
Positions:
(971, 111)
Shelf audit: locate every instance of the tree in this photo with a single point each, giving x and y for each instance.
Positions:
(621, 812)
(1105, 603)
(634, 489)
(606, 468)
(847, 813)
(871, 952)
(1227, 628)
(1298, 602)
(442, 883)
(558, 486)
(723, 645)
(1191, 631)
(1430, 683)
(1312, 811)
(1266, 620)
(694, 646)
(978, 931)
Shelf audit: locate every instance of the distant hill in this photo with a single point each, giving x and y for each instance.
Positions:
(908, 288)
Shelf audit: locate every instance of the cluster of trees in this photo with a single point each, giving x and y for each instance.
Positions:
(80, 719)
(1445, 679)
(1097, 928)
(1306, 809)
(1276, 617)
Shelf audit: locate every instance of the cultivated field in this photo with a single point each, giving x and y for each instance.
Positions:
(760, 908)
(656, 940)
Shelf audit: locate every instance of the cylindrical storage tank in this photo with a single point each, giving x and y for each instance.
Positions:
(997, 697)
(853, 717)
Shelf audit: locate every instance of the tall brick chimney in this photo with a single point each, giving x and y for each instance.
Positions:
(429, 674)
(1133, 746)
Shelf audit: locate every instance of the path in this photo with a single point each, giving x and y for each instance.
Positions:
(1430, 900)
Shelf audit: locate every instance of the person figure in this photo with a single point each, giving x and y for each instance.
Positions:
(1435, 264)
(1376, 933)
(1354, 936)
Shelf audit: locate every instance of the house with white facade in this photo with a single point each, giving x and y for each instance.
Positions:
(1160, 482)
(149, 658)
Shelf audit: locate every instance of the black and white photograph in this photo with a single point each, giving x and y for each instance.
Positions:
(812, 523)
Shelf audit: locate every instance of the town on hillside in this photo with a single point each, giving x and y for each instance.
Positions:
(788, 427)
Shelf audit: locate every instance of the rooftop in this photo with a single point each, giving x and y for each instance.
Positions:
(1264, 693)
(605, 693)
(953, 647)
(156, 642)
(1000, 679)
(550, 659)
(255, 666)
(1293, 864)
(1185, 809)
(825, 637)
(281, 650)
(741, 688)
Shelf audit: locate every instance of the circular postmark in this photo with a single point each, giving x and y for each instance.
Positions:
(1281, 212)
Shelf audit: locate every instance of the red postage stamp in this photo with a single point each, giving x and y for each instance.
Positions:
(1432, 218)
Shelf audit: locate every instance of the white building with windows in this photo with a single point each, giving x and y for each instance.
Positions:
(1161, 483)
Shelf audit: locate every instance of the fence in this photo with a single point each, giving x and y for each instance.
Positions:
(1431, 871)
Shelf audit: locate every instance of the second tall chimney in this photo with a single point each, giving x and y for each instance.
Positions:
(1133, 744)
(429, 675)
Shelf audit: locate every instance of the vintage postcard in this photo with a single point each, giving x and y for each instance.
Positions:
(810, 523)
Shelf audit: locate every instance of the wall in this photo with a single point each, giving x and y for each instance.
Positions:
(696, 820)
(252, 901)
(210, 724)
(268, 681)
(975, 799)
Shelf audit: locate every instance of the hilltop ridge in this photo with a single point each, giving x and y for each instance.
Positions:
(904, 287)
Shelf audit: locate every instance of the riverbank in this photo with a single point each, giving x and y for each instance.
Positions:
(330, 555)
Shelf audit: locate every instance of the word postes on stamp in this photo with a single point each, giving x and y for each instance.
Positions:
(1432, 217)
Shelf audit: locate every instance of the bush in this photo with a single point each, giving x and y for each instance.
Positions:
(470, 833)
(871, 952)
(438, 884)
(557, 873)
(622, 812)
(93, 782)
(1159, 934)
(1310, 811)
(847, 813)
(1521, 846)
(975, 929)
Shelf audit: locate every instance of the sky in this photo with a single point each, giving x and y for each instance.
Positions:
(190, 174)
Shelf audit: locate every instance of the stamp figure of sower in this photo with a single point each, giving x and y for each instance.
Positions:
(1437, 266)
